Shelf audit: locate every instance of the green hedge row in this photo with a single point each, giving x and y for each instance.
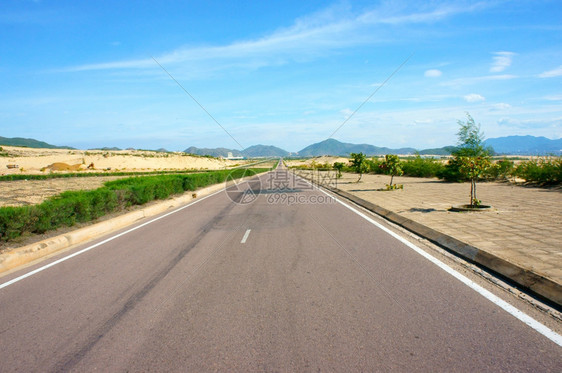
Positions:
(543, 170)
(69, 208)
(14, 177)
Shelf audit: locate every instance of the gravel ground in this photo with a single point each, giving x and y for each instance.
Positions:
(30, 192)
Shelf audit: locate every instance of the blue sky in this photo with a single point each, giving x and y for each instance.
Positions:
(284, 73)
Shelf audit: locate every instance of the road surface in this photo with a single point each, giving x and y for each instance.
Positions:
(279, 280)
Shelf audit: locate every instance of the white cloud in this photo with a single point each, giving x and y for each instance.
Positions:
(501, 61)
(387, 13)
(309, 37)
(552, 73)
(473, 97)
(501, 106)
(433, 73)
(478, 79)
(553, 98)
(423, 121)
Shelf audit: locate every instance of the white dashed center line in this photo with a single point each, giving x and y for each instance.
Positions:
(245, 236)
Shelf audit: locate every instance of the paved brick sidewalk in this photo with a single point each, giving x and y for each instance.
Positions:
(524, 226)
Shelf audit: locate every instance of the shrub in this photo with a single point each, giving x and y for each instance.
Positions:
(451, 171)
(501, 170)
(338, 166)
(542, 170)
(422, 167)
(392, 165)
(374, 165)
(358, 164)
(69, 208)
(14, 221)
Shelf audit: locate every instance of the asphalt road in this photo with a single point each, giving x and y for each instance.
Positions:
(286, 281)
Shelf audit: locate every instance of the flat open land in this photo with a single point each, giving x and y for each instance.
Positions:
(32, 161)
(38, 161)
(30, 192)
(318, 160)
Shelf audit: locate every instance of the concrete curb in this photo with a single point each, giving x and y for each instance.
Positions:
(26, 254)
(528, 279)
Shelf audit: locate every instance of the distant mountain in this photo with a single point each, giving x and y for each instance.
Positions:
(214, 152)
(250, 152)
(525, 145)
(107, 149)
(29, 143)
(264, 151)
(446, 150)
(335, 147)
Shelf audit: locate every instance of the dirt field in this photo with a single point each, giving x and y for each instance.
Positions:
(38, 161)
(30, 161)
(317, 160)
(29, 192)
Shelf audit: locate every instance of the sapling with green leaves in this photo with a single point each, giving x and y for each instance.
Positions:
(473, 158)
(358, 164)
(338, 166)
(392, 165)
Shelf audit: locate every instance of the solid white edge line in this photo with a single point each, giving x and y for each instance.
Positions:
(520, 315)
(13, 281)
(245, 236)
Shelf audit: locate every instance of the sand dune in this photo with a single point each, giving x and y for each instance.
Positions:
(37, 161)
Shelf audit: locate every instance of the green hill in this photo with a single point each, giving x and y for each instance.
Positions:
(29, 143)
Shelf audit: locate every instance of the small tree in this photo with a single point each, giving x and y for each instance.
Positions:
(338, 166)
(474, 168)
(472, 157)
(392, 165)
(358, 164)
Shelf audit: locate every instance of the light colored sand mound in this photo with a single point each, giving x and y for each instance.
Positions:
(32, 161)
(60, 166)
(316, 160)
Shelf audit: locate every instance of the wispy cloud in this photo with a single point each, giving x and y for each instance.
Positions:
(433, 73)
(552, 73)
(309, 37)
(387, 14)
(478, 79)
(553, 98)
(501, 106)
(501, 61)
(474, 97)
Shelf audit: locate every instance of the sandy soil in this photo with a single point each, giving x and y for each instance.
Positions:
(37, 161)
(318, 160)
(29, 192)
(41, 161)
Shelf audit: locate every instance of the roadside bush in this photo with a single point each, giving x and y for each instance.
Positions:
(392, 165)
(14, 221)
(14, 177)
(451, 171)
(422, 167)
(542, 170)
(69, 208)
(501, 170)
(374, 166)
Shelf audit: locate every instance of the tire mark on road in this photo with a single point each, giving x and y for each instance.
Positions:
(73, 358)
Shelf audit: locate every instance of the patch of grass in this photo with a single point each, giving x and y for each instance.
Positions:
(90, 174)
(69, 208)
